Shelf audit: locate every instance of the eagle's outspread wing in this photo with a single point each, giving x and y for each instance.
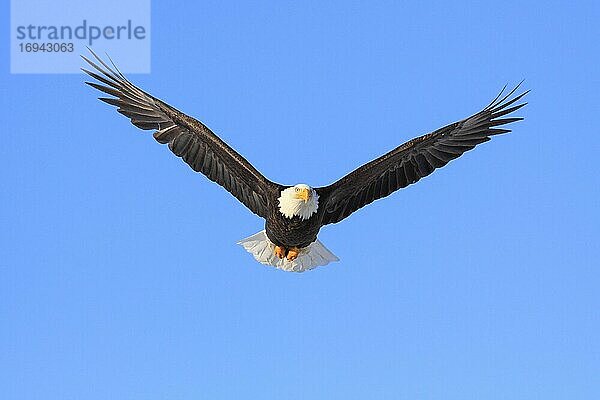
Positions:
(187, 137)
(415, 159)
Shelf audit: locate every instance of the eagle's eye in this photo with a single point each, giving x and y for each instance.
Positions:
(297, 189)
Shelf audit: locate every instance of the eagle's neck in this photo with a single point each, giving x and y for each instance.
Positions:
(291, 207)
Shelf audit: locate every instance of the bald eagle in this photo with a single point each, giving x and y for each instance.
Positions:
(295, 214)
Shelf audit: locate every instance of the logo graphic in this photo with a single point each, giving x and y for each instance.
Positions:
(48, 37)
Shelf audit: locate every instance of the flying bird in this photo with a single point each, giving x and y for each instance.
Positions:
(295, 214)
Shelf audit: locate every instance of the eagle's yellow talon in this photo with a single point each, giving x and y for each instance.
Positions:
(280, 252)
(293, 253)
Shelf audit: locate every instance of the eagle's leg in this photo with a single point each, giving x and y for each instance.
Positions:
(293, 253)
(280, 251)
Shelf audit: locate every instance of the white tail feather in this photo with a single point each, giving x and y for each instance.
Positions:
(263, 250)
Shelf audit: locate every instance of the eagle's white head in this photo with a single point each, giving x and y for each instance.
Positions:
(300, 200)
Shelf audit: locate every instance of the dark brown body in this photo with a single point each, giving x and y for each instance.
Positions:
(290, 232)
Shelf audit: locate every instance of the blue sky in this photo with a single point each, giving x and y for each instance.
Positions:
(119, 273)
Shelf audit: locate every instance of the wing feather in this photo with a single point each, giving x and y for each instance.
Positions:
(417, 158)
(185, 136)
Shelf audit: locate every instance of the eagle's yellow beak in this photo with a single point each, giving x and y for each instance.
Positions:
(303, 194)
